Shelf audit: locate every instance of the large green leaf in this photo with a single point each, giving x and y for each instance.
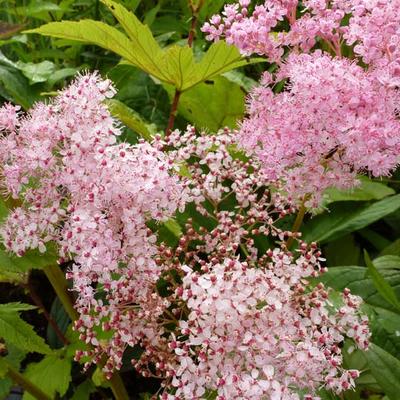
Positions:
(19, 333)
(15, 87)
(213, 104)
(39, 72)
(383, 287)
(359, 281)
(91, 32)
(146, 52)
(131, 119)
(384, 317)
(343, 219)
(368, 190)
(386, 370)
(176, 65)
(52, 375)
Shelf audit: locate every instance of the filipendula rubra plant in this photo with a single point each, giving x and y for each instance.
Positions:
(229, 319)
(231, 311)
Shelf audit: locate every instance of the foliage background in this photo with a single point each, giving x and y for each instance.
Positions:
(33, 67)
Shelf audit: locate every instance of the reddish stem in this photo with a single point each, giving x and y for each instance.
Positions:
(38, 302)
(177, 96)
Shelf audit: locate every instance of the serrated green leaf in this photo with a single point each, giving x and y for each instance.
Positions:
(176, 65)
(343, 219)
(146, 52)
(358, 280)
(131, 119)
(386, 370)
(89, 31)
(383, 287)
(19, 333)
(52, 375)
(15, 307)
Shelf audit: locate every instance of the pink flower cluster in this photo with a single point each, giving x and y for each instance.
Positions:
(248, 325)
(374, 29)
(217, 313)
(93, 197)
(255, 333)
(334, 119)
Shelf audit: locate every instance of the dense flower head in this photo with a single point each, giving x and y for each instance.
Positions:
(333, 120)
(335, 117)
(93, 197)
(374, 30)
(255, 333)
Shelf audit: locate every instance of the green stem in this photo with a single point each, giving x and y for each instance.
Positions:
(118, 387)
(297, 224)
(60, 285)
(25, 383)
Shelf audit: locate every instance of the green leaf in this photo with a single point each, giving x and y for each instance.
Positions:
(36, 73)
(92, 32)
(131, 119)
(62, 74)
(213, 104)
(146, 53)
(384, 289)
(173, 227)
(84, 390)
(240, 79)
(343, 219)
(99, 378)
(368, 190)
(386, 370)
(219, 58)
(16, 88)
(32, 259)
(358, 280)
(54, 371)
(392, 249)
(15, 307)
(176, 65)
(19, 333)
(389, 262)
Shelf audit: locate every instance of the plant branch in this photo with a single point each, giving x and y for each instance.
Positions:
(60, 286)
(25, 383)
(297, 224)
(38, 302)
(177, 96)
